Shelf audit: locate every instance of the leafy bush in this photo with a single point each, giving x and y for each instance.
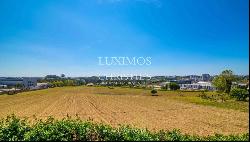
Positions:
(15, 129)
(174, 86)
(223, 96)
(239, 94)
(203, 95)
(217, 97)
(153, 92)
(111, 87)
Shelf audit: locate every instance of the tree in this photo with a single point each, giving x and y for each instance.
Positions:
(69, 82)
(19, 86)
(229, 78)
(219, 83)
(174, 86)
(223, 82)
(154, 92)
(166, 87)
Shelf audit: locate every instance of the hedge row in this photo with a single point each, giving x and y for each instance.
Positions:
(15, 129)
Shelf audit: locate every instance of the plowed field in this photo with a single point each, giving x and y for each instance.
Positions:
(125, 106)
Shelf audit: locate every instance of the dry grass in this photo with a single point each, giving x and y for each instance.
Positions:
(126, 106)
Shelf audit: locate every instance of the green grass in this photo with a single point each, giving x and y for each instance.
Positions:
(16, 129)
(229, 104)
(193, 97)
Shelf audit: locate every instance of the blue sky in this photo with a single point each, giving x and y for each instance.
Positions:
(183, 37)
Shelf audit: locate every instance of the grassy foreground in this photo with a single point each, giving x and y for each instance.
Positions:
(15, 129)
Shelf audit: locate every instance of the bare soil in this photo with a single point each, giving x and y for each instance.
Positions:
(125, 106)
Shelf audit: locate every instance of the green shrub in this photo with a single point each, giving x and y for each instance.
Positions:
(203, 95)
(15, 129)
(239, 94)
(174, 86)
(111, 87)
(153, 92)
(216, 97)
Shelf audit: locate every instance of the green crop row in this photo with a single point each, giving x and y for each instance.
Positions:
(15, 129)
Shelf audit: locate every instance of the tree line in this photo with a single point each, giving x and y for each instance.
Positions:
(224, 85)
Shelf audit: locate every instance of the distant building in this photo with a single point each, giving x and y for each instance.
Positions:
(26, 82)
(240, 85)
(102, 77)
(182, 81)
(42, 86)
(201, 85)
(52, 77)
(156, 87)
(3, 86)
(163, 84)
(206, 77)
(195, 77)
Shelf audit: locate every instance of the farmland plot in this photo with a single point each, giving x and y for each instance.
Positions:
(125, 106)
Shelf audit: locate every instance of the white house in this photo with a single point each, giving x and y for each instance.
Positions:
(201, 85)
